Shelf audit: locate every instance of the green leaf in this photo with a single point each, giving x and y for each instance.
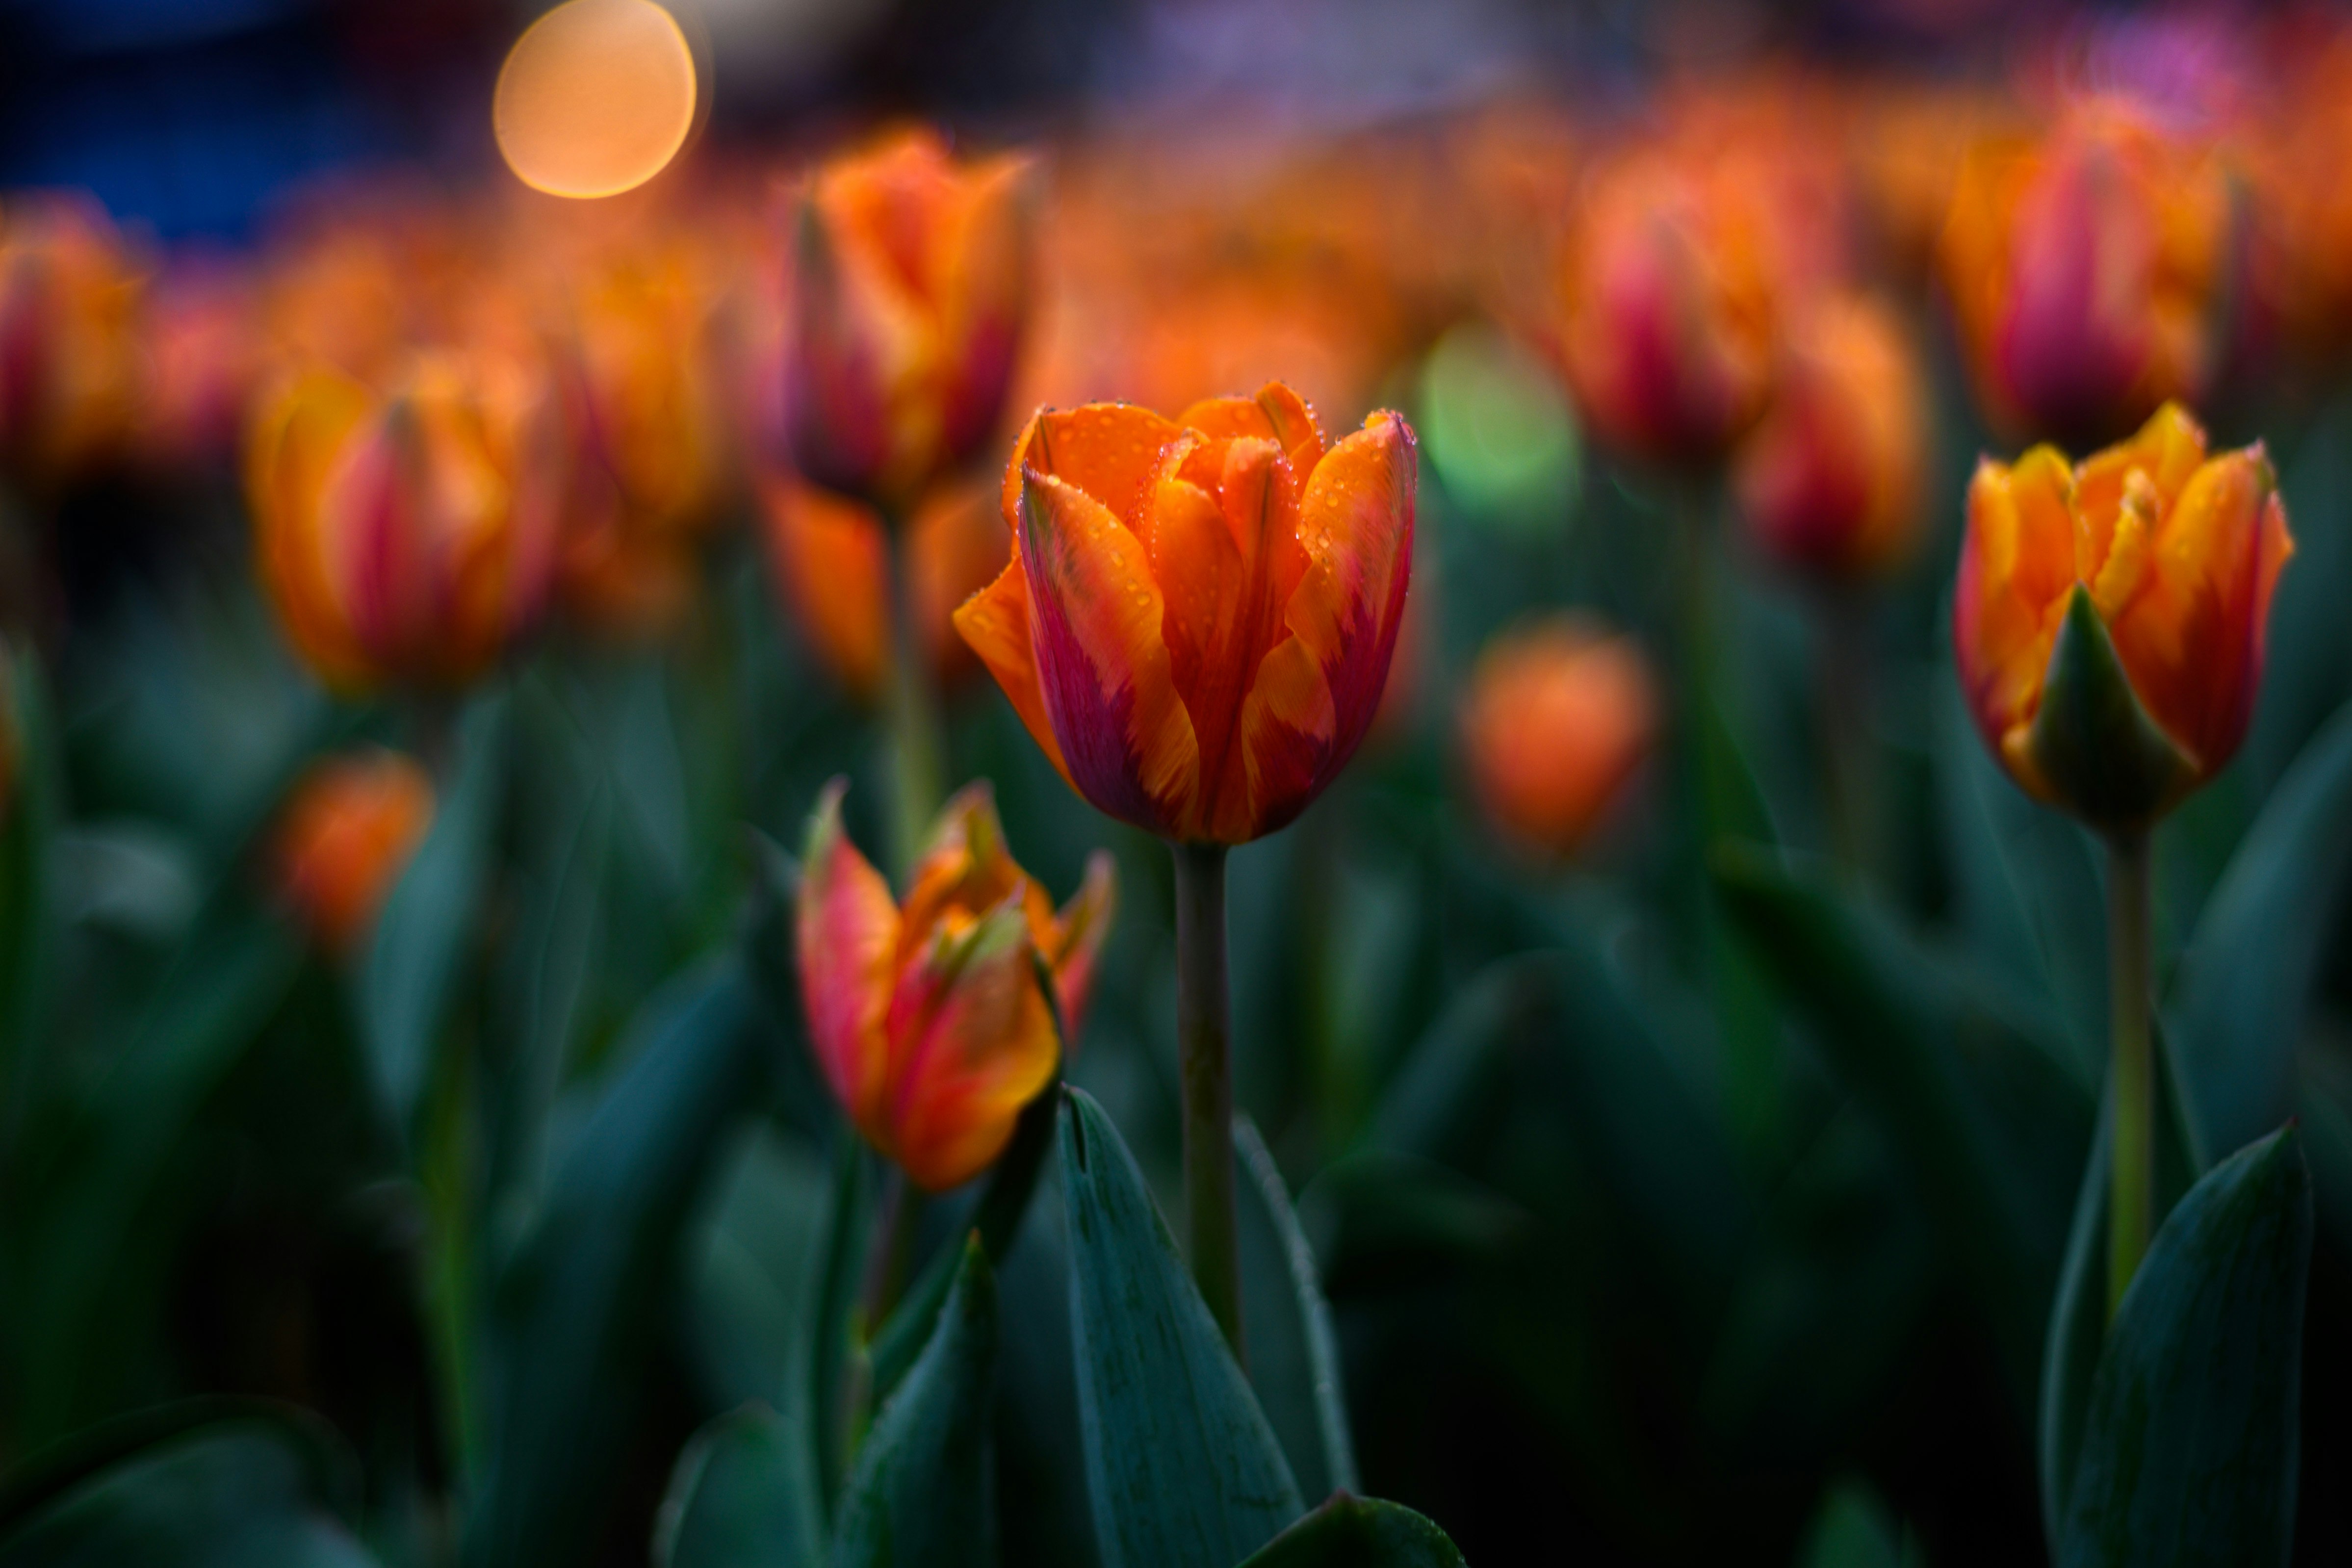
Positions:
(831, 1310)
(1294, 1358)
(579, 1309)
(740, 1498)
(30, 799)
(421, 938)
(2191, 1444)
(243, 1492)
(924, 1494)
(1181, 1465)
(2245, 980)
(1853, 1529)
(1359, 1533)
(2108, 762)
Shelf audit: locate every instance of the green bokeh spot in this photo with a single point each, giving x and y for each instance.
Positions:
(1498, 431)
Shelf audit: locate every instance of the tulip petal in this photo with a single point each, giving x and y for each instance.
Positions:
(972, 1043)
(1108, 450)
(1276, 413)
(994, 622)
(982, 281)
(827, 554)
(1079, 929)
(2017, 566)
(861, 348)
(1094, 612)
(965, 865)
(295, 446)
(845, 933)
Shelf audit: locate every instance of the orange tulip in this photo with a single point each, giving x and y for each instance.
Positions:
(1198, 618)
(829, 562)
(1559, 717)
(1830, 481)
(2109, 618)
(201, 363)
(406, 537)
(346, 835)
(926, 1016)
(68, 353)
(911, 285)
(2087, 272)
(1666, 338)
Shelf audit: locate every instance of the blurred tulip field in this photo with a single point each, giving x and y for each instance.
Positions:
(1174, 784)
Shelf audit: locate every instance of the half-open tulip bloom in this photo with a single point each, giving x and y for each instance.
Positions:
(2109, 617)
(926, 1016)
(405, 537)
(1197, 621)
(1560, 716)
(346, 835)
(70, 300)
(1829, 484)
(910, 288)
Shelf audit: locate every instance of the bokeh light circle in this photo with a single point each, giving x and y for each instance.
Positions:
(596, 97)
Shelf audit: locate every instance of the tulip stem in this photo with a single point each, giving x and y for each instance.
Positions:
(1204, 1038)
(2131, 1201)
(912, 709)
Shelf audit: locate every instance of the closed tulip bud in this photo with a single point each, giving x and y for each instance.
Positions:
(829, 562)
(1830, 481)
(68, 351)
(1666, 334)
(927, 1015)
(1560, 716)
(1198, 618)
(2088, 273)
(2109, 618)
(406, 537)
(910, 288)
(345, 836)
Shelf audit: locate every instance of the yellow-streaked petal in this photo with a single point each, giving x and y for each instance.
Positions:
(845, 933)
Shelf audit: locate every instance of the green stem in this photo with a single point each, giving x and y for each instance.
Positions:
(1204, 1038)
(2132, 1197)
(1845, 697)
(912, 709)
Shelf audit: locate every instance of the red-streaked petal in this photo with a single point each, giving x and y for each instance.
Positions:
(1110, 451)
(1079, 929)
(972, 1043)
(855, 342)
(1095, 611)
(984, 283)
(845, 932)
(995, 623)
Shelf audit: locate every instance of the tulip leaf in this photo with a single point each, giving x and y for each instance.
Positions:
(2094, 741)
(2191, 1441)
(421, 938)
(2245, 981)
(30, 789)
(829, 1316)
(580, 1307)
(924, 1493)
(1293, 1357)
(1853, 1529)
(740, 1498)
(1181, 1465)
(250, 1490)
(1359, 1533)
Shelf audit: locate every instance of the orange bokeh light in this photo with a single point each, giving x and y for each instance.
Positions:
(595, 98)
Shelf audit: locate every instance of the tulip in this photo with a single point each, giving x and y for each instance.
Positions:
(346, 835)
(1666, 338)
(831, 562)
(2088, 274)
(2108, 622)
(1199, 614)
(69, 354)
(911, 289)
(406, 537)
(1558, 718)
(201, 363)
(1830, 481)
(927, 1015)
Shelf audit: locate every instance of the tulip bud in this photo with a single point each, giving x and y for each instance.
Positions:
(829, 560)
(1558, 718)
(2088, 273)
(910, 288)
(346, 835)
(69, 355)
(2109, 619)
(926, 1016)
(1197, 622)
(408, 536)
(1830, 481)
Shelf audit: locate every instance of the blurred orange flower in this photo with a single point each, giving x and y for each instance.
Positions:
(2088, 272)
(1558, 717)
(202, 360)
(830, 562)
(1830, 481)
(912, 284)
(346, 835)
(2109, 617)
(405, 536)
(69, 300)
(927, 1017)
(1199, 615)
